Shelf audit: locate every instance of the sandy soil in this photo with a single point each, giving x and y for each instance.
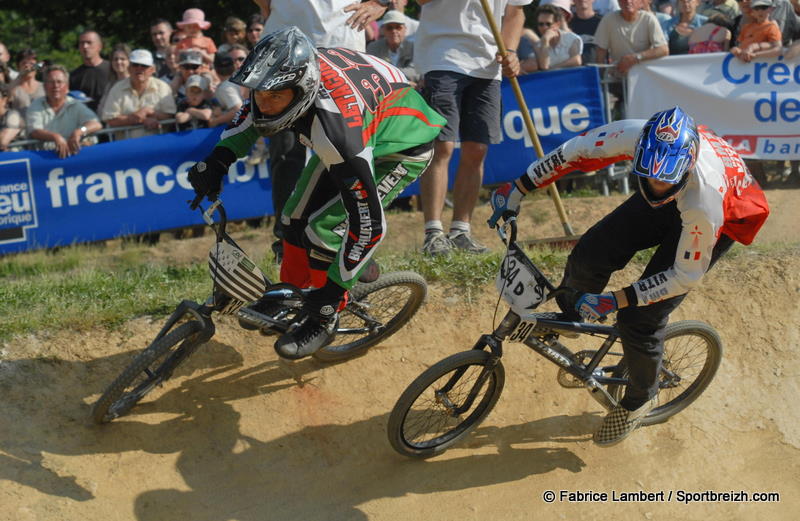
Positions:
(239, 435)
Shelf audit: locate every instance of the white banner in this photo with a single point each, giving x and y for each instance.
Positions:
(755, 106)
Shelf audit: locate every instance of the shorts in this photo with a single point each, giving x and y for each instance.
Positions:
(470, 105)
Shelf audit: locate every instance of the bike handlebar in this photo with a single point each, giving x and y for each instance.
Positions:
(216, 206)
(511, 223)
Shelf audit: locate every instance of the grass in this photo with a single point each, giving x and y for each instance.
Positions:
(82, 287)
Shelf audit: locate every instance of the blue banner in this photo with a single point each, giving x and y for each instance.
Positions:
(139, 185)
(113, 189)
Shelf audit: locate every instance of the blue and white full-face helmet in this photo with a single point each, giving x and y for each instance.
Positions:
(666, 151)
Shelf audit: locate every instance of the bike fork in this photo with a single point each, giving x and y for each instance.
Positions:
(441, 395)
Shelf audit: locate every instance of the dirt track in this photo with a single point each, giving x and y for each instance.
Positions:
(241, 436)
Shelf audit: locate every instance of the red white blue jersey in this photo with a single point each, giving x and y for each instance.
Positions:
(720, 197)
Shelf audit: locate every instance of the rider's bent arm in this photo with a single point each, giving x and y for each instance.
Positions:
(240, 135)
(593, 150)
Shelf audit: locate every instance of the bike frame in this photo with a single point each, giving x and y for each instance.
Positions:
(542, 337)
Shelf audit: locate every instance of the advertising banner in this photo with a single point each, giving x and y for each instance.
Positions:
(754, 106)
(113, 189)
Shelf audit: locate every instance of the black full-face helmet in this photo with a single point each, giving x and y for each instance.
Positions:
(285, 59)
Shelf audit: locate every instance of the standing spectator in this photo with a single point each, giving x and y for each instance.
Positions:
(140, 99)
(552, 51)
(742, 19)
(584, 24)
(458, 59)
(232, 33)
(411, 24)
(759, 38)
(565, 7)
(95, 73)
(193, 24)
(171, 63)
(627, 37)
(60, 121)
(678, 29)
(327, 23)
(190, 61)
(255, 26)
(119, 69)
(5, 59)
(194, 110)
(557, 48)
(26, 87)
(11, 122)
(603, 7)
(712, 36)
(160, 33)
(393, 46)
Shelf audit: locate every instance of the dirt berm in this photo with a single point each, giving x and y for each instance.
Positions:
(239, 435)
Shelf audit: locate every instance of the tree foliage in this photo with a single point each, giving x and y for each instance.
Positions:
(52, 28)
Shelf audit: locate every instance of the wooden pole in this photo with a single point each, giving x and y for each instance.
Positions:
(526, 117)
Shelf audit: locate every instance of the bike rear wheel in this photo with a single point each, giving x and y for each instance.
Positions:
(426, 421)
(375, 312)
(151, 367)
(692, 354)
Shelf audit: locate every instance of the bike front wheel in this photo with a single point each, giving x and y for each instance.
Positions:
(375, 312)
(151, 367)
(445, 403)
(692, 354)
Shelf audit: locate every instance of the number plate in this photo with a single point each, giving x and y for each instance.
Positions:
(522, 331)
(518, 284)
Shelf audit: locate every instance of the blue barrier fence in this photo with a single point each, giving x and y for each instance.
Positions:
(140, 186)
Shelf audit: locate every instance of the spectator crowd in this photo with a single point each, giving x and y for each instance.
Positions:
(182, 81)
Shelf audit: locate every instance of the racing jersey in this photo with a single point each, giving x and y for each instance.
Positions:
(364, 109)
(720, 197)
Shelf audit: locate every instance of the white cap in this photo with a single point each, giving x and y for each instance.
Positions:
(393, 17)
(196, 80)
(141, 57)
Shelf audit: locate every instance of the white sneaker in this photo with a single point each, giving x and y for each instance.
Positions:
(437, 243)
(464, 241)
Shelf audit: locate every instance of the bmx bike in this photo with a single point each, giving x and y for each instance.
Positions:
(452, 397)
(375, 310)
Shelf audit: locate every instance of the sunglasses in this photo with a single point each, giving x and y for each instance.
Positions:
(190, 66)
(762, 7)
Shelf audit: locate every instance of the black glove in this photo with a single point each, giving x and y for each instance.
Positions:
(206, 176)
